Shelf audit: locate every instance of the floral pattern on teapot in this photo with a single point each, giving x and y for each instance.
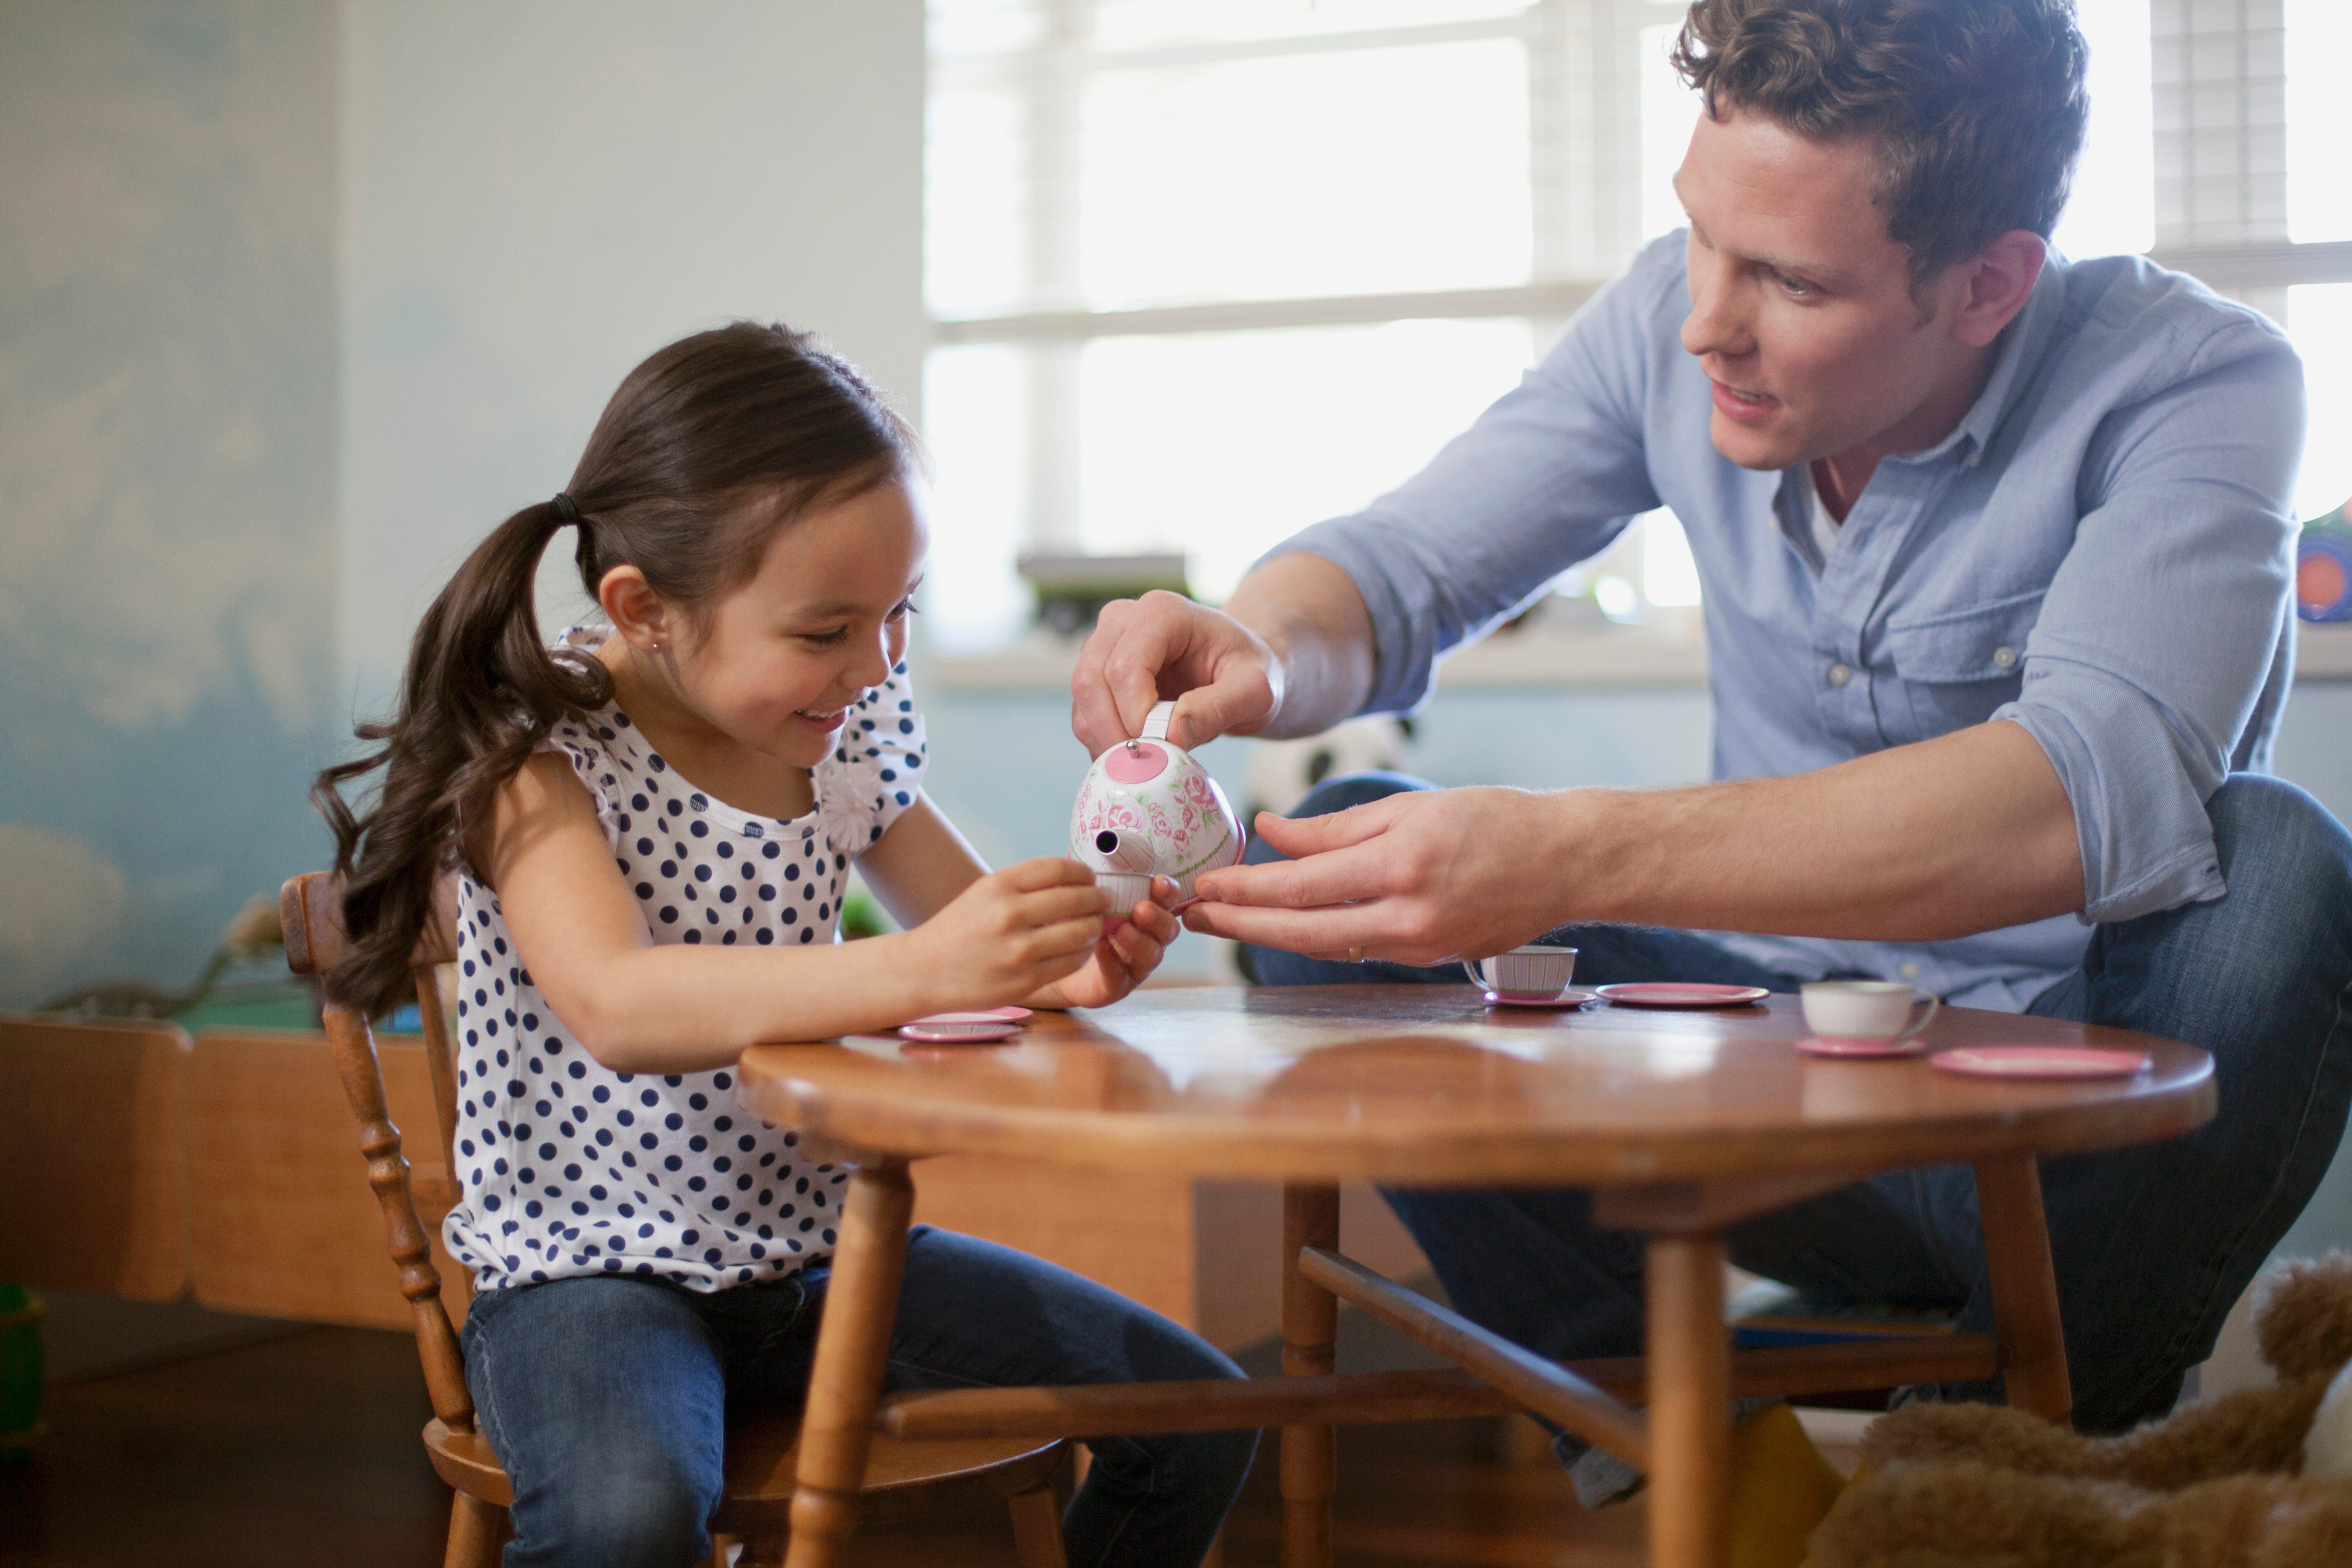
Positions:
(1170, 816)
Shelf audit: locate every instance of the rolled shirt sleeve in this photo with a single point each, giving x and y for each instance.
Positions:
(1546, 477)
(2162, 622)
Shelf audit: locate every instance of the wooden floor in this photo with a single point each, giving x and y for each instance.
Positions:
(303, 1450)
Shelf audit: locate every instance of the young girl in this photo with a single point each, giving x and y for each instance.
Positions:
(652, 826)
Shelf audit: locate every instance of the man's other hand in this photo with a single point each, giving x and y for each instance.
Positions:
(1418, 877)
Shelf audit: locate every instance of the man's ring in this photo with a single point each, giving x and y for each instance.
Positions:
(1355, 955)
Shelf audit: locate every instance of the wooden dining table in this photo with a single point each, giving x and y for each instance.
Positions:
(1681, 1123)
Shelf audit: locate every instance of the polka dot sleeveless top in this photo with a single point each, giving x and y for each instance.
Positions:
(571, 1169)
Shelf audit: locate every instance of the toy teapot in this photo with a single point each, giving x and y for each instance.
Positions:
(1148, 810)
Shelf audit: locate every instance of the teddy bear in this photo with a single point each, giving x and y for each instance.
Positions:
(2258, 1478)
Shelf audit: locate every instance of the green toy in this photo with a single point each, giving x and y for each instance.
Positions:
(20, 1370)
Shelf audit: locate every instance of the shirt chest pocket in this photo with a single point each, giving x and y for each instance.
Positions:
(1953, 670)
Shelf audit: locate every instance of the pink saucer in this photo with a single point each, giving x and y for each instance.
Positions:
(2041, 1061)
(951, 1028)
(1574, 996)
(1838, 1045)
(1681, 993)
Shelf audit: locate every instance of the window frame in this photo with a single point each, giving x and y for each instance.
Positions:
(2220, 127)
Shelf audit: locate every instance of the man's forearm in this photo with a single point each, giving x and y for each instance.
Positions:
(1967, 833)
(1311, 614)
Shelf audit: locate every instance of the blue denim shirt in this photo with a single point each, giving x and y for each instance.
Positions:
(2101, 553)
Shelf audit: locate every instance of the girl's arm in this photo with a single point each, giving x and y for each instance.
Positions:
(922, 863)
(919, 864)
(641, 1007)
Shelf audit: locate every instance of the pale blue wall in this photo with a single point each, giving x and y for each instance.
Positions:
(167, 463)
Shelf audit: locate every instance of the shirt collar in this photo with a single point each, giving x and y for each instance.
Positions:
(2022, 342)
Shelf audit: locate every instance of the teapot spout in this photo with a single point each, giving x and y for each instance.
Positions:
(1119, 851)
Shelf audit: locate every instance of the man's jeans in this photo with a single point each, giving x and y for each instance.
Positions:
(2152, 1244)
(606, 1399)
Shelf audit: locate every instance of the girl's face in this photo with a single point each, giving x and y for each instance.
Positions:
(823, 620)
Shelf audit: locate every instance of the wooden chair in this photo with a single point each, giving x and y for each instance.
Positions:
(902, 1477)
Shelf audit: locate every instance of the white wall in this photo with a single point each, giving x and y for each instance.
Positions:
(537, 194)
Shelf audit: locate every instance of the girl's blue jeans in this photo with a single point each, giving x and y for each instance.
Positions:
(607, 1399)
(2152, 1244)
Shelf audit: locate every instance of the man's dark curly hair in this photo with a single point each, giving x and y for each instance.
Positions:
(1977, 105)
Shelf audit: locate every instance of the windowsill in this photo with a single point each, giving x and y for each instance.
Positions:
(1668, 653)
(2323, 652)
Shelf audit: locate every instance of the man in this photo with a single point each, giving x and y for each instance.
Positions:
(1996, 554)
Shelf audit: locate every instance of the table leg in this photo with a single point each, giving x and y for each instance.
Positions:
(2024, 1287)
(1310, 1324)
(852, 1344)
(1690, 1402)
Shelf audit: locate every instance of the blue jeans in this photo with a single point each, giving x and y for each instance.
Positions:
(2152, 1244)
(607, 1399)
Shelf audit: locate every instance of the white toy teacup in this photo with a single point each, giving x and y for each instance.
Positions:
(1525, 973)
(1874, 1010)
(1147, 809)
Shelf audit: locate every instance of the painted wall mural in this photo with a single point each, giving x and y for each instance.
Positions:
(167, 462)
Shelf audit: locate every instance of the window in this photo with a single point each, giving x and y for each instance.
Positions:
(1205, 271)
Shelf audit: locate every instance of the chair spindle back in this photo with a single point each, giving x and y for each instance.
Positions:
(310, 908)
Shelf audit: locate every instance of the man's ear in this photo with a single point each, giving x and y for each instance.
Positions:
(636, 612)
(1995, 283)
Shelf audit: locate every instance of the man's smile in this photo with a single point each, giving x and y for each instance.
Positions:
(1745, 406)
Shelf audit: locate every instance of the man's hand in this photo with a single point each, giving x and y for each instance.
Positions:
(1290, 653)
(1418, 878)
(1970, 832)
(1224, 678)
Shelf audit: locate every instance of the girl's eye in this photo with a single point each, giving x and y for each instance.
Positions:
(902, 609)
(833, 639)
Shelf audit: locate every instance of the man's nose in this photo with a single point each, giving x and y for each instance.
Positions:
(1716, 323)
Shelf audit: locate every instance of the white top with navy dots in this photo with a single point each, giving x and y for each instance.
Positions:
(571, 1169)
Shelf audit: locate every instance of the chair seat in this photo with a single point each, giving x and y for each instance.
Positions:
(900, 1476)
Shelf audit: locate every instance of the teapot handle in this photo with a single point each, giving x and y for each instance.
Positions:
(1155, 724)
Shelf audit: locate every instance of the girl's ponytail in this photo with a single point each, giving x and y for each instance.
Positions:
(480, 690)
(709, 448)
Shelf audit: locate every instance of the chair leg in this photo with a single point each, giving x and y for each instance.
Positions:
(852, 1344)
(2024, 1287)
(1037, 1528)
(476, 1528)
(1310, 1325)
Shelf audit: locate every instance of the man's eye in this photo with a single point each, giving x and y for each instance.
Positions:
(1797, 287)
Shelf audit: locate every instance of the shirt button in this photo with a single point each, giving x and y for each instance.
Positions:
(1840, 675)
(2005, 656)
(1908, 969)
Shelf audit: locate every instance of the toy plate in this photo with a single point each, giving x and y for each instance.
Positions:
(947, 1028)
(1574, 996)
(1839, 1046)
(1679, 993)
(2041, 1061)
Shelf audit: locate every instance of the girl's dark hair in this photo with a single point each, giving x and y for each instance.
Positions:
(1977, 106)
(707, 448)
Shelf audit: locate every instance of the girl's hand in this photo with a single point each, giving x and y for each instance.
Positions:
(1007, 935)
(1129, 951)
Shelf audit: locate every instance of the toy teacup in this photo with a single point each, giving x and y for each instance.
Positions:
(1148, 810)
